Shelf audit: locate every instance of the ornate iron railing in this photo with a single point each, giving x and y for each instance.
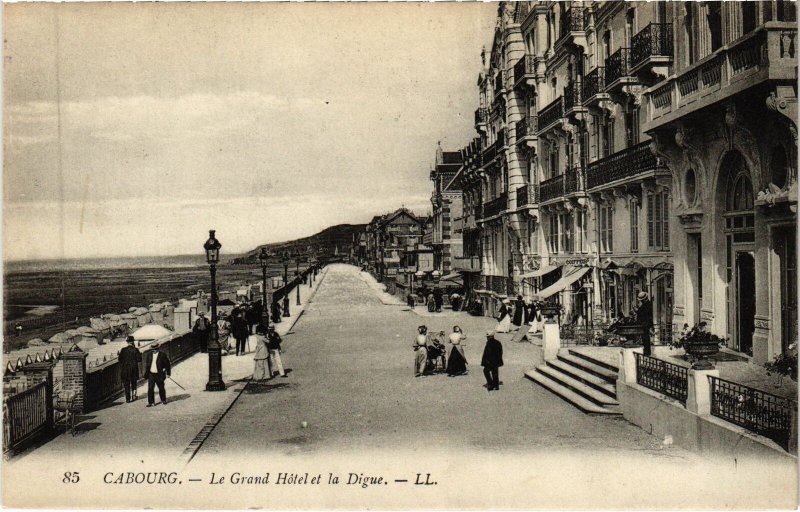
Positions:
(572, 96)
(758, 411)
(622, 164)
(496, 206)
(573, 180)
(525, 127)
(654, 41)
(667, 378)
(25, 415)
(551, 113)
(481, 115)
(527, 195)
(552, 188)
(499, 84)
(618, 65)
(571, 21)
(594, 83)
(524, 66)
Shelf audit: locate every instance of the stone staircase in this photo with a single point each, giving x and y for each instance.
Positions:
(582, 380)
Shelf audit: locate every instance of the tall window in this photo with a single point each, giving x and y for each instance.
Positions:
(606, 228)
(566, 231)
(607, 129)
(606, 44)
(658, 220)
(552, 239)
(748, 17)
(632, 127)
(634, 209)
(580, 230)
(553, 160)
(596, 136)
(688, 16)
(714, 20)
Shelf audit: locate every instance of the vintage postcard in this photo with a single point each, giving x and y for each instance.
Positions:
(474, 255)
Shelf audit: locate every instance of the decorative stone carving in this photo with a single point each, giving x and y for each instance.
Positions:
(761, 323)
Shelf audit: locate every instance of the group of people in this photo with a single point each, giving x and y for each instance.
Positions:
(513, 316)
(430, 353)
(157, 369)
(434, 300)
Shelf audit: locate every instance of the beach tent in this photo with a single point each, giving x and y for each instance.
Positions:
(88, 335)
(132, 309)
(143, 315)
(156, 313)
(36, 342)
(102, 326)
(151, 332)
(60, 337)
(130, 319)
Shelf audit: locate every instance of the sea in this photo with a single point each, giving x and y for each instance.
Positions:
(48, 296)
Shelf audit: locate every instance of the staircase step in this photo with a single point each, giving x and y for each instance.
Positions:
(593, 360)
(590, 379)
(569, 395)
(589, 392)
(583, 364)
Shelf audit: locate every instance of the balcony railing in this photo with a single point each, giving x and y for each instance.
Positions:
(666, 378)
(526, 127)
(622, 164)
(594, 83)
(527, 195)
(760, 412)
(499, 84)
(495, 206)
(524, 67)
(491, 150)
(550, 114)
(572, 96)
(573, 180)
(571, 21)
(467, 264)
(481, 115)
(654, 41)
(552, 188)
(618, 65)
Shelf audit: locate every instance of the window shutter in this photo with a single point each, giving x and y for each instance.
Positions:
(610, 228)
(650, 240)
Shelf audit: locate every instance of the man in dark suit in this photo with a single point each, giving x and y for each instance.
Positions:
(644, 315)
(491, 361)
(202, 330)
(129, 359)
(156, 370)
(240, 331)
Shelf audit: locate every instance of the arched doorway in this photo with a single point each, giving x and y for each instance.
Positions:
(739, 228)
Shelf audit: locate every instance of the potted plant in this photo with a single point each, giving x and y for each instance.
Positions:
(699, 344)
(628, 328)
(551, 309)
(784, 364)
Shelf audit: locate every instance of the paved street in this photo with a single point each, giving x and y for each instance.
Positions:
(352, 381)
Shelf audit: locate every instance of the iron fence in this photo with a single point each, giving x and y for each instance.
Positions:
(551, 113)
(654, 41)
(758, 411)
(618, 65)
(25, 415)
(667, 378)
(622, 164)
(594, 83)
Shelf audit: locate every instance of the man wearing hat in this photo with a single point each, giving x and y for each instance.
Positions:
(156, 370)
(644, 315)
(129, 359)
(491, 361)
(274, 345)
(201, 331)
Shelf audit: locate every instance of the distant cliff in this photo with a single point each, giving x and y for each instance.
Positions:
(325, 243)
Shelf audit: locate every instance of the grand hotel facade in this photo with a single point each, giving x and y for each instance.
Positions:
(638, 146)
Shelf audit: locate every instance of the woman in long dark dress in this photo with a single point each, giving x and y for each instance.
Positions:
(456, 362)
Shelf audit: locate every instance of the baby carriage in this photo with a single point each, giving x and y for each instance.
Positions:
(437, 354)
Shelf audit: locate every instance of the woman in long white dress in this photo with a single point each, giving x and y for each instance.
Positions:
(504, 317)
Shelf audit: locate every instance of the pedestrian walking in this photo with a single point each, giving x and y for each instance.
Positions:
(129, 359)
(276, 312)
(644, 315)
(274, 345)
(263, 368)
(456, 360)
(240, 331)
(253, 316)
(438, 299)
(491, 361)
(519, 312)
(156, 370)
(420, 351)
(504, 317)
(202, 331)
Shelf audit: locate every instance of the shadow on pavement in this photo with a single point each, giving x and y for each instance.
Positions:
(182, 396)
(255, 388)
(84, 427)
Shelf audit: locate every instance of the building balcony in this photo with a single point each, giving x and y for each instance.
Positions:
(467, 264)
(525, 72)
(501, 285)
(573, 102)
(767, 54)
(594, 86)
(552, 189)
(618, 70)
(574, 182)
(526, 131)
(572, 29)
(494, 149)
(528, 196)
(651, 47)
(500, 85)
(495, 206)
(550, 115)
(634, 162)
(481, 118)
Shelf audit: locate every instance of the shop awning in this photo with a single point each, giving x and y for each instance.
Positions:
(562, 283)
(542, 271)
(455, 276)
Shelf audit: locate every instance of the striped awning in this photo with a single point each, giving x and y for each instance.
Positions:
(562, 283)
(542, 271)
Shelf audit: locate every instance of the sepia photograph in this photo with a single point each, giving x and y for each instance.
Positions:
(400, 255)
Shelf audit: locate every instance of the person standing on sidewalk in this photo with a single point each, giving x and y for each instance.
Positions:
(420, 351)
(263, 368)
(491, 361)
(644, 315)
(240, 331)
(129, 359)
(156, 370)
(201, 331)
(274, 345)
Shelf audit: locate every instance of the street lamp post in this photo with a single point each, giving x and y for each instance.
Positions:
(215, 383)
(262, 257)
(297, 278)
(285, 284)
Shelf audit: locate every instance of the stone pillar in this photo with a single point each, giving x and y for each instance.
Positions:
(698, 399)
(627, 364)
(42, 372)
(551, 339)
(75, 375)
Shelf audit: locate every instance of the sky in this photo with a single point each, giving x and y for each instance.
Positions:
(133, 129)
